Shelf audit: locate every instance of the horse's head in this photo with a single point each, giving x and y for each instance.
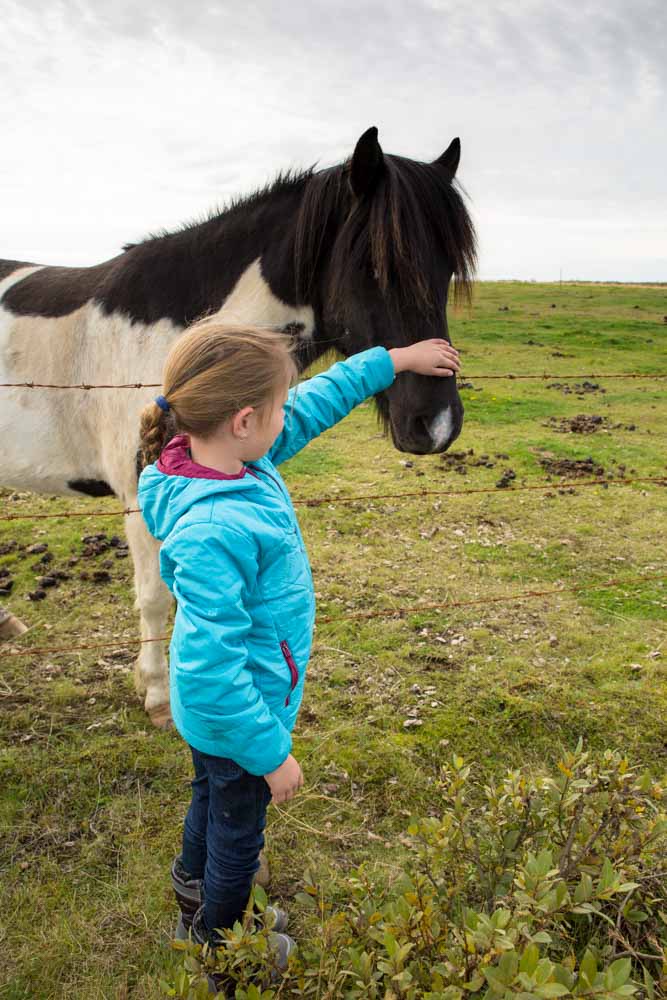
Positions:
(384, 235)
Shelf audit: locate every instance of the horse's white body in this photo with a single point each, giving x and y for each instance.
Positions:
(52, 437)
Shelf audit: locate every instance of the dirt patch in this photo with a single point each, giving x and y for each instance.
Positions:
(576, 388)
(574, 468)
(584, 423)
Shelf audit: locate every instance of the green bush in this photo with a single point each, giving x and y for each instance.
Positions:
(532, 888)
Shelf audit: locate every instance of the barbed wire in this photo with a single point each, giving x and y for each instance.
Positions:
(318, 501)
(463, 377)
(381, 613)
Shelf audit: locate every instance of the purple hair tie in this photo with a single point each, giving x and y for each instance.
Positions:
(163, 403)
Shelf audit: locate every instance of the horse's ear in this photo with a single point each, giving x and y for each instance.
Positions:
(450, 158)
(367, 161)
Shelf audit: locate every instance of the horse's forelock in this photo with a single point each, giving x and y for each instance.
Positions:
(414, 214)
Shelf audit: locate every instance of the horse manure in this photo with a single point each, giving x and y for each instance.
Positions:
(36, 595)
(573, 468)
(95, 548)
(47, 581)
(8, 547)
(507, 477)
(579, 388)
(101, 576)
(34, 550)
(583, 423)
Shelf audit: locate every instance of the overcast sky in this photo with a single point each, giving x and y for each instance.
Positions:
(120, 117)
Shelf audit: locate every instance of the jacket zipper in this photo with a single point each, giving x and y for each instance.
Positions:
(294, 673)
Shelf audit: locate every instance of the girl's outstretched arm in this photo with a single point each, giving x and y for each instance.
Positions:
(320, 402)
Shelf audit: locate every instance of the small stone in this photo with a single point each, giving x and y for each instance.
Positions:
(411, 723)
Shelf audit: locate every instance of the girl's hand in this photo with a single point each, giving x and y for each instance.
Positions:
(426, 357)
(285, 781)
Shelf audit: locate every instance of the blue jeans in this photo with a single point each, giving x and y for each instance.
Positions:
(223, 835)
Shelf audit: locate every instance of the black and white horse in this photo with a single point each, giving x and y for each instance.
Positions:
(349, 257)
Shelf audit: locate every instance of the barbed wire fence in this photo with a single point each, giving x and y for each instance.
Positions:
(371, 498)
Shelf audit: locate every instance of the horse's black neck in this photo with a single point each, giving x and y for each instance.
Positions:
(184, 274)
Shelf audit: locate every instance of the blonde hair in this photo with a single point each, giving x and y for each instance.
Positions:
(212, 371)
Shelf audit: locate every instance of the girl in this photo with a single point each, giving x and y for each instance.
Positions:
(233, 557)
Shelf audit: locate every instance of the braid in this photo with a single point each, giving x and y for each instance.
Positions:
(155, 430)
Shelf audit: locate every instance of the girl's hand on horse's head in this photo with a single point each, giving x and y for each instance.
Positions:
(426, 357)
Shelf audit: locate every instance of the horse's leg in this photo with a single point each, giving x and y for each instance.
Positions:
(10, 626)
(153, 601)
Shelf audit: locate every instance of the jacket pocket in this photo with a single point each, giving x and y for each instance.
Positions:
(293, 669)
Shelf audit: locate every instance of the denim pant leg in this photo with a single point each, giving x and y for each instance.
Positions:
(237, 804)
(193, 854)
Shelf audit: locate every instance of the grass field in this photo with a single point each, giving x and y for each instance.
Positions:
(92, 798)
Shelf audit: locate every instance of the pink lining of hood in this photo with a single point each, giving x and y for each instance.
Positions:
(175, 461)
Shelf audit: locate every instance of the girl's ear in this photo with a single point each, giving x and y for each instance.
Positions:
(240, 422)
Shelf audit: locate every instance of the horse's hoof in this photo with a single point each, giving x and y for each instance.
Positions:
(11, 627)
(160, 716)
(263, 876)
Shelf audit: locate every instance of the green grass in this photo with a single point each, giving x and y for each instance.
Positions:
(92, 798)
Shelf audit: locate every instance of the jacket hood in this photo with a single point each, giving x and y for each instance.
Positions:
(169, 487)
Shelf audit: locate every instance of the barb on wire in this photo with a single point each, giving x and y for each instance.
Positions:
(381, 613)
(463, 376)
(318, 501)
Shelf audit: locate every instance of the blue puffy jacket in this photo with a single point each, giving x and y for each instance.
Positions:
(233, 557)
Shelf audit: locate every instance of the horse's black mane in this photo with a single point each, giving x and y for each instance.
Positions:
(285, 182)
(414, 213)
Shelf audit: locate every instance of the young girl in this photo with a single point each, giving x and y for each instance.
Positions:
(233, 557)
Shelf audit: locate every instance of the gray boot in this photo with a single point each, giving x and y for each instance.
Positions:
(190, 896)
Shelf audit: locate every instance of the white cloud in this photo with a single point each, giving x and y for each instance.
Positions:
(125, 118)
